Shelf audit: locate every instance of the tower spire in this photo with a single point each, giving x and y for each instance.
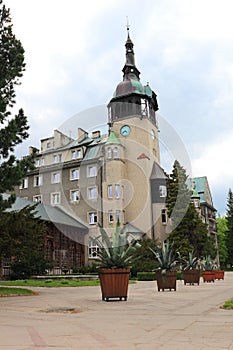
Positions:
(130, 68)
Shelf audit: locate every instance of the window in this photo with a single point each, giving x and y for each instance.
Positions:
(37, 162)
(55, 198)
(74, 195)
(117, 191)
(164, 216)
(109, 153)
(115, 152)
(196, 203)
(37, 199)
(109, 191)
(48, 145)
(162, 191)
(73, 154)
(93, 218)
(93, 249)
(79, 153)
(74, 174)
(57, 158)
(55, 178)
(91, 171)
(38, 180)
(92, 193)
(110, 216)
(24, 183)
(118, 215)
(42, 161)
(123, 191)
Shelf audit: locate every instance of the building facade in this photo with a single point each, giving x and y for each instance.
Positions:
(101, 179)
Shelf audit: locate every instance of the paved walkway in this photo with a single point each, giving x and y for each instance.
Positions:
(190, 318)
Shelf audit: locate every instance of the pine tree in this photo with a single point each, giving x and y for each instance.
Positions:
(188, 232)
(178, 195)
(22, 241)
(229, 233)
(13, 129)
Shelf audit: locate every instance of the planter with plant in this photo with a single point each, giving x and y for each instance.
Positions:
(219, 274)
(191, 272)
(208, 273)
(115, 256)
(166, 275)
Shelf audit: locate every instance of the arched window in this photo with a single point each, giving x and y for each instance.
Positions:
(115, 152)
(109, 153)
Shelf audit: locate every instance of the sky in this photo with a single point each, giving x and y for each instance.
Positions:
(74, 53)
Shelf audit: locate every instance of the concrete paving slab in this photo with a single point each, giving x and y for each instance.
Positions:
(76, 318)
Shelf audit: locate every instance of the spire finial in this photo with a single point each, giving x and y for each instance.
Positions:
(127, 24)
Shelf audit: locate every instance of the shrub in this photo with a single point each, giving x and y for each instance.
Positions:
(146, 276)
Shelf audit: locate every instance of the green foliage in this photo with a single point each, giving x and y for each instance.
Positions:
(166, 257)
(229, 232)
(51, 283)
(178, 195)
(115, 253)
(208, 264)
(188, 233)
(191, 263)
(5, 291)
(14, 129)
(146, 276)
(22, 237)
(222, 231)
(228, 304)
(143, 258)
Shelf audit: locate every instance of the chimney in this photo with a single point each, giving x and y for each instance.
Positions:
(82, 134)
(96, 134)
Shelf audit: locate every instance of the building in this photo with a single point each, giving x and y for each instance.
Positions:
(203, 202)
(101, 179)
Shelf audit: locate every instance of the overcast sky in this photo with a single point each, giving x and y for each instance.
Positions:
(75, 52)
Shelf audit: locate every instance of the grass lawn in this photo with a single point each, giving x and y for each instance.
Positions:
(7, 291)
(228, 304)
(51, 283)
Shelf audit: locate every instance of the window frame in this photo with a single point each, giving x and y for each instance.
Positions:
(89, 192)
(93, 214)
(71, 172)
(52, 196)
(89, 170)
(59, 177)
(71, 195)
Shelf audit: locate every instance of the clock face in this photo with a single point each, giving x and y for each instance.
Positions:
(125, 130)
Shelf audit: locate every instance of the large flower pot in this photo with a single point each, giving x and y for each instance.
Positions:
(219, 274)
(114, 283)
(191, 276)
(166, 281)
(208, 276)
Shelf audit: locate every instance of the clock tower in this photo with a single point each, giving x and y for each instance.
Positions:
(133, 121)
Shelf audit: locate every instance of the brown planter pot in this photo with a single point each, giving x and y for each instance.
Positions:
(219, 274)
(167, 281)
(191, 276)
(114, 283)
(208, 276)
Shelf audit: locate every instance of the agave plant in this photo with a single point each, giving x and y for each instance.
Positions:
(116, 252)
(208, 264)
(166, 256)
(191, 263)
